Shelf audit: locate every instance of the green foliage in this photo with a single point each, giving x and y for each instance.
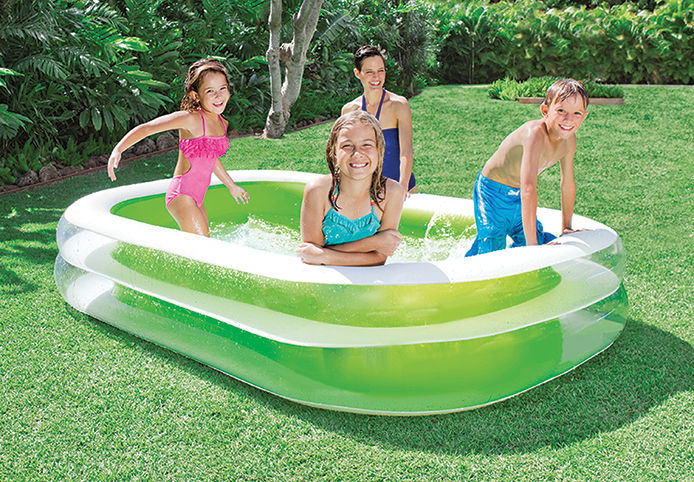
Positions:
(510, 89)
(482, 41)
(85, 72)
(27, 157)
(11, 123)
(75, 75)
(250, 97)
(471, 44)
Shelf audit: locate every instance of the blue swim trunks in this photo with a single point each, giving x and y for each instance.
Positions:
(497, 215)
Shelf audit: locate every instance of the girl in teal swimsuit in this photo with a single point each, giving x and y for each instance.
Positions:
(351, 217)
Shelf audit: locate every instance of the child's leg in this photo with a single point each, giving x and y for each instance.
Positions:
(518, 236)
(487, 244)
(190, 217)
(491, 235)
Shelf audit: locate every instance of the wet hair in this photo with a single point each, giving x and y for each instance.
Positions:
(563, 89)
(365, 52)
(195, 76)
(378, 182)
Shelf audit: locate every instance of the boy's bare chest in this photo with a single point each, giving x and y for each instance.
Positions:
(549, 156)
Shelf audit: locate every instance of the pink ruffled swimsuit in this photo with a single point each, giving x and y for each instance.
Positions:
(202, 152)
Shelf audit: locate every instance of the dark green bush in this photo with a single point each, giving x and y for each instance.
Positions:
(620, 44)
(75, 75)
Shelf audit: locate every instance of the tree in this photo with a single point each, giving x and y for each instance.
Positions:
(293, 57)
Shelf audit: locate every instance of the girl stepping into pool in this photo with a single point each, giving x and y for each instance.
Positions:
(202, 132)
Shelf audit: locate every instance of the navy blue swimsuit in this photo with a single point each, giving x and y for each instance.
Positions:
(391, 158)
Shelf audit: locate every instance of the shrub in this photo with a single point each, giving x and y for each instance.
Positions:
(620, 44)
(509, 89)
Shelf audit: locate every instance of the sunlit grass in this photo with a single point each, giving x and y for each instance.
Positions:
(82, 400)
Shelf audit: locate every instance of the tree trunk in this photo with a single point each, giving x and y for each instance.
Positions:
(293, 57)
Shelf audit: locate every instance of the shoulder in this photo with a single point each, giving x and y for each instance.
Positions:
(318, 186)
(188, 120)
(186, 115)
(570, 145)
(351, 106)
(394, 191)
(398, 101)
(182, 120)
(400, 107)
(534, 131)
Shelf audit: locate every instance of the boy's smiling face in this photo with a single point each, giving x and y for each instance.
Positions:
(564, 117)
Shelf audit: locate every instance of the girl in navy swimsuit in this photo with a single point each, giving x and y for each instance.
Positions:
(350, 217)
(396, 121)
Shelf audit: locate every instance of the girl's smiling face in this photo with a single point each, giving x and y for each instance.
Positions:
(356, 151)
(213, 92)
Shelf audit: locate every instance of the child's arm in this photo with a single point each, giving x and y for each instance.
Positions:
(239, 194)
(528, 184)
(404, 116)
(177, 120)
(568, 188)
(387, 238)
(358, 253)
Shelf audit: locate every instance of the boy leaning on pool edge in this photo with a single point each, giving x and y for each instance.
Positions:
(505, 192)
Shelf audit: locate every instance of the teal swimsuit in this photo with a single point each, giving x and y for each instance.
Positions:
(339, 229)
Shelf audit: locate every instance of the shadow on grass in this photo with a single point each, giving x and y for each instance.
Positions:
(28, 219)
(27, 240)
(643, 368)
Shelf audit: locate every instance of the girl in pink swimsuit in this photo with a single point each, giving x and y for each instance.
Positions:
(202, 132)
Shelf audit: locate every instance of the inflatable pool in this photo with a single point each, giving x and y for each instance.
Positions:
(413, 337)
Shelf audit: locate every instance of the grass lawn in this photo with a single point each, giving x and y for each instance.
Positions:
(83, 400)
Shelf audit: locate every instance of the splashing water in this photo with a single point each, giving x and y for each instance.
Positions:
(439, 242)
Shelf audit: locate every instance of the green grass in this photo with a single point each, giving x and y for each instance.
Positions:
(83, 400)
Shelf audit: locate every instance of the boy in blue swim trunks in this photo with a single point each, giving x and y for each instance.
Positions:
(505, 193)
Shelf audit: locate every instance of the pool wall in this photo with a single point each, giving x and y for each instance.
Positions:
(401, 339)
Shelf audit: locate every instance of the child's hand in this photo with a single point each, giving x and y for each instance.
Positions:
(569, 231)
(389, 240)
(113, 163)
(310, 253)
(239, 194)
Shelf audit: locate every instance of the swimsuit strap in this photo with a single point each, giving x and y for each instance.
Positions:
(380, 104)
(203, 123)
(334, 197)
(222, 121)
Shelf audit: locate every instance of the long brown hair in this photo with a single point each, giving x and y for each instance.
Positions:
(196, 73)
(378, 182)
